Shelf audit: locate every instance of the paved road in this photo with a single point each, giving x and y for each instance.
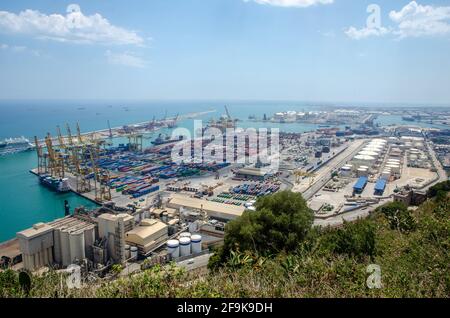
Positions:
(362, 213)
(194, 263)
(325, 172)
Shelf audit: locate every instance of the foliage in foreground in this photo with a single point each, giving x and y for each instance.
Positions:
(326, 263)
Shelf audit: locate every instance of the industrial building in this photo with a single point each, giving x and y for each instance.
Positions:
(360, 185)
(61, 242)
(36, 245)
(112, 229)
(254, 173)
(380, 186)
(215, 210)
(147, 236)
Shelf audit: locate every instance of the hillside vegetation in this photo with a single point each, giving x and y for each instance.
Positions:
(275, 252)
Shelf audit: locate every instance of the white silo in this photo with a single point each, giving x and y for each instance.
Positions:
(386, 174)
(363, 160)
(185, 246)
(65, 247)
(346, 171)
(173, 248)
(369, 153)
(76, 242)
(127, 251)
(133, 252)
(185, 234)
(395, 168)
(196, 243)
(362, 172)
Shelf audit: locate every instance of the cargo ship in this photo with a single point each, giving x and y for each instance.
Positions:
(15, 145)
(166, 140)
(55, 184)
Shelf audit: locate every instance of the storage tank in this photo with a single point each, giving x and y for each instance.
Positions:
(346, 171)
(65, 248)
(127, 251)
(133, 252)
(369, 153)
(196, 241)
(364, 160)
(185, 234)
(386, 174)
(362, 172)
(76, 242)
(394, 168)
(185, 246)
(173, 248)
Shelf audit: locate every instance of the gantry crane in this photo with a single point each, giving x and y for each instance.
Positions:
(56, 162)
(300, 174)
(42, 160)
(135, 142)
(102, 191)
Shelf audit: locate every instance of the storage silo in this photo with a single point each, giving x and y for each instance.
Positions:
(173, 248)
(386, 174)
(185, 246)
(133, 252)
(362, 172)
(395, 168)
(76, 242)
(65, 247)
(346, 171)
(196, 243)
(372, 153)
(363, 160)
(127, 251)
(185, 234)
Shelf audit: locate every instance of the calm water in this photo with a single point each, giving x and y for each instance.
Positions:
(24, 202)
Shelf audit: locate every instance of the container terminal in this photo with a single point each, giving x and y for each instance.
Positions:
(153, 210)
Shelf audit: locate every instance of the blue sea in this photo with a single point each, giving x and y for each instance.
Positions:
(24, 202)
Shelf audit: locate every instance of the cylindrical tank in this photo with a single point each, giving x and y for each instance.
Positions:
(386, 174)
(346, 171)
(165, 217)
(127, 251)
(193, 227)
(394, 167)
(133, 252)
(185, 234)
(173, 248)
(362, 172)
(196, 241)
(369, 153)
(185, 246)
(76, 241)
(65, 248)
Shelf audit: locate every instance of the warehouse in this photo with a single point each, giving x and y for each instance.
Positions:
(253, 173)
(360, 185)
(380, 186)
(147, 236)
(215, 210)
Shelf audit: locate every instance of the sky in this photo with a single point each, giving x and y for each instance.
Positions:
(306, 50)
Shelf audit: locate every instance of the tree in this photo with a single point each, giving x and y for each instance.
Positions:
(280, 223)
(440, 187)
(398, 216)
(354, 239)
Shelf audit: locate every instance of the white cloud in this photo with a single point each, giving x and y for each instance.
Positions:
(416, 20)
(18, 49)
(413, 20)
(125, 59)
(292, 3)
(73, 27)
(359, 34)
